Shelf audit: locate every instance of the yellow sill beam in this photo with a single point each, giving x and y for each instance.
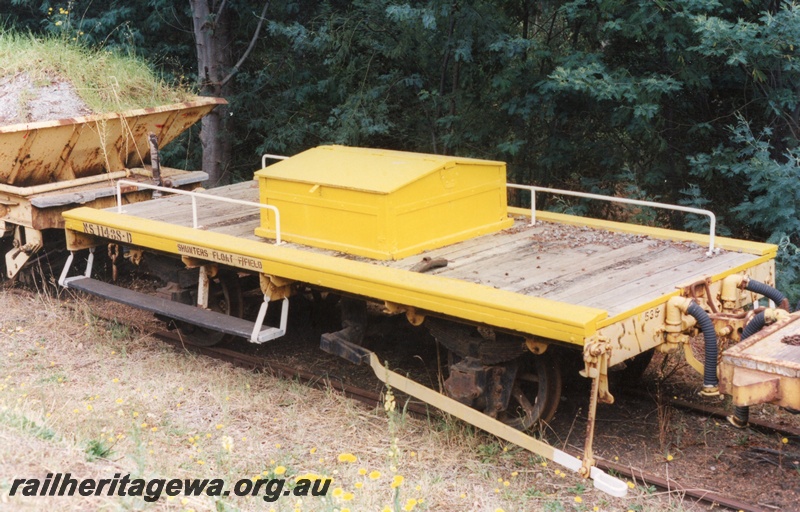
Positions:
(469, 301)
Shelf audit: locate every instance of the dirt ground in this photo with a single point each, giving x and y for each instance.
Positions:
(83, 395)
(23, 101)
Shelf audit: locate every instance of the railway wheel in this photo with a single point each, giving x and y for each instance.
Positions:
(635, 367)
(224, 296)
(536, 392)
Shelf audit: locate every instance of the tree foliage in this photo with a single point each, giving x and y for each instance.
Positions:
(692, 101)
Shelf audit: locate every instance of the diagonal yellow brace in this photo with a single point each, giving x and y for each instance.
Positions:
(602, 480)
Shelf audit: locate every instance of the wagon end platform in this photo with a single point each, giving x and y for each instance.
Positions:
(765, 368)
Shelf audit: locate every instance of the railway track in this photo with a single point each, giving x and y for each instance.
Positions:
(373, 399)
(716, 412)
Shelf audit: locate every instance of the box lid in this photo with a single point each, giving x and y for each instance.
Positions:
(378, 171)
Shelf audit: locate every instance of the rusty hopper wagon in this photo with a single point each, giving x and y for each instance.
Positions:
(503, 289)
(48, 167)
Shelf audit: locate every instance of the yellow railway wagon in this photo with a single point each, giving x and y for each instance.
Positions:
(502, 300)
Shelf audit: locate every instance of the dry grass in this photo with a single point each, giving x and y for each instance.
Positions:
(104, 80)
(72, 387)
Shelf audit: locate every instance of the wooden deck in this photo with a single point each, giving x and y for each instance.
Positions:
(771, 353)
(576, 265)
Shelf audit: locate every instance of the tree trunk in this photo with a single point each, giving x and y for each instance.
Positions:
(212, 40)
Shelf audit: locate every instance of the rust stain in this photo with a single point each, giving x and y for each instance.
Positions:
(793, 339)
(56, 156)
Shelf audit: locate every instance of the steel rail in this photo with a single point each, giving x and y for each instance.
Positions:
(762, 425)
(701, 495)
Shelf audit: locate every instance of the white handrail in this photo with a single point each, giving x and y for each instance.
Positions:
(700, 211)
(194, 196)
(273, 157)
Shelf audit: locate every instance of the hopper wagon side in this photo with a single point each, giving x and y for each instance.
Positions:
(431, 237)
(48, 167)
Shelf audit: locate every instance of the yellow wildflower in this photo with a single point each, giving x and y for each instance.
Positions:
(410, 504)
(227, 443)
(347, 457)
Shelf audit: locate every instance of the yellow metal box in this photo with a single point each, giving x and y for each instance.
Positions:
(382, 204)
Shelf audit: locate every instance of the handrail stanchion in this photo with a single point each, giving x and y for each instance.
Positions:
(277, 227)
(119, 199)
(273, 157)
(712, 218)
(195, 195)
